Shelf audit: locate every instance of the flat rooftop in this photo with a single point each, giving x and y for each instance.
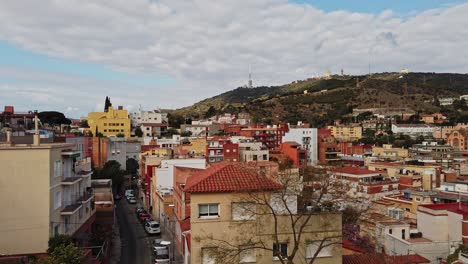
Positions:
(5, 146)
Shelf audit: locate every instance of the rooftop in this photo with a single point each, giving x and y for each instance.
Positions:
(5, 146)
(377, 258)
(458, 208)
(355, 171)
(229, 177)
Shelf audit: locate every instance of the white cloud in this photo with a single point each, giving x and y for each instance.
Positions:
(207, 46)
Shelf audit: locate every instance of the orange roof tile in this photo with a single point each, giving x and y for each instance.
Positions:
(229, 177)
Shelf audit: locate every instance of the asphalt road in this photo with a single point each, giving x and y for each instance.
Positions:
(135, 242)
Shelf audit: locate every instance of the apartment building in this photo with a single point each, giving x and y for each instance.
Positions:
(253, 151)
(153, 116)
(351, 132)
(270, 136)
(458, 139)
(199, 130)
(83, 144)
(47, 192)
(307, 138)
(328, 150)
(413, 130)
(432, 243)
(110, 123)
(111, 148)
(292, 151)
(388, 152)
(221, 149)
(222, 208)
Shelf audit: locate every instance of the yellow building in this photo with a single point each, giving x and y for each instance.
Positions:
(349, 132)
(197, 146)
(110, 123)
(45, 191)
(230, 223)
(389, 152)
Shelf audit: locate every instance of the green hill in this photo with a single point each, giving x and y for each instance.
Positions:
(330, 99)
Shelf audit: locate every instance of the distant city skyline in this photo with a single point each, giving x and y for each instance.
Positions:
(68, 56)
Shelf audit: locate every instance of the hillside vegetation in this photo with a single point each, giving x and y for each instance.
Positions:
(334, 98)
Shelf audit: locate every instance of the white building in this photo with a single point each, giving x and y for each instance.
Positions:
(440, 231)
(307, 137)
(253, 151)
(413, 129)
(154, 116)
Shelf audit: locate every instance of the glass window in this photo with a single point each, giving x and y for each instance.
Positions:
(247, 256)
(313, 247)
(208, 256)
(57, 200)
(58, 168)
(208, 210)
(243, 211)
(280, 250)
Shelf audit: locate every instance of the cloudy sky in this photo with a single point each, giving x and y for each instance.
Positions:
(67, 55)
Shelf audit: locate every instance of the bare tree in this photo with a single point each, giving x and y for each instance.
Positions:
(301, 214)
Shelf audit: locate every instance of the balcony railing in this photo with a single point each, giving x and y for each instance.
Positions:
(76, 202)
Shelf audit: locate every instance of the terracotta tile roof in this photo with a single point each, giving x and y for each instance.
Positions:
(229, 177)
(349, 245)
(383, 259)
(355, 171)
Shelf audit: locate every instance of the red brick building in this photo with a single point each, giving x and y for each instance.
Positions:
(270, 136)
(328, 149)
(221, 149)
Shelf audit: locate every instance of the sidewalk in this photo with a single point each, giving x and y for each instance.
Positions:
(116, 244)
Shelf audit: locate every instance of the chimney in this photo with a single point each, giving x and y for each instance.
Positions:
(36, 138)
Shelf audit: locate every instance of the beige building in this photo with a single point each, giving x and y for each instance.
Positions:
(253, 151)
(389, 152)
(46, 191)
(349, 132)
(228, 221)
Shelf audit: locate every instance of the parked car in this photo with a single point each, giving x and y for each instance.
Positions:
(129, 193)
(152, 227)
(161, 255)
(143, 216)
(132, 200)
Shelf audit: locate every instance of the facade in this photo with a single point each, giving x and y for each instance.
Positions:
(104, 202)
(307, 138)
(269, 136)
(195, 146)
(413, 130)
(48, 193)
(328, 150)
(292, 151)
(441, 132)
(458, 139)
(221, 149)
(431, 243)
(253, 151)
(15, 120)
(106, 149)
(350, 132)
(154, 116)
(153, 129)
(215, 207)
(387, 152)
(110, 123)
(132, 149)
(83, 144)
(199, 130)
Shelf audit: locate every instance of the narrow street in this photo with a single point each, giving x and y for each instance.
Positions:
(136, 244)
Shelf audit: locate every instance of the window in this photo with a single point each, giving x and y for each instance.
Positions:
(390, 231)
(403, 234)
(254, 157)
(418, 199)
(228, 150)
(313, 247)
(243, 211)
(208, 210)
(247, 256)
(58, 168)
(57, 230)
(208, 256)
(265, 157)
(280, 250)
(234, 150)
(57, 200)
(407, 209)
(80, 212)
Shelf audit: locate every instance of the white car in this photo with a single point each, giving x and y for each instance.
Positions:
(161, 255)
(152, 228)
(129, 193)
(132, 200)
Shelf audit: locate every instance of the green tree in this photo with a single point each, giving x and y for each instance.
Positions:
(58, 240)
(69, 254)
(111, 170)
(53, 118)
(84, 123)
(132, 166)
(210, 112)
(171, 131)
(138, 132)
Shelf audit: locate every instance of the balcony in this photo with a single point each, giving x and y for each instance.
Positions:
(76, 201)
(71, 180)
